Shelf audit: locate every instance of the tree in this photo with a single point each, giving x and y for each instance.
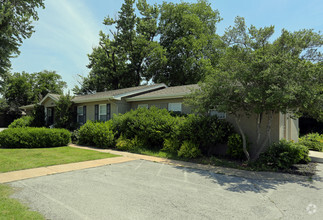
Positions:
(24, 89)
(15, 25)
(63, 112)
(121, 59)
(187, 33)
(255, 76)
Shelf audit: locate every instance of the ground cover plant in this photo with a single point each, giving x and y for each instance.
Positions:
(19, 159)
(34, 138)
(313, 141)
(12, 208)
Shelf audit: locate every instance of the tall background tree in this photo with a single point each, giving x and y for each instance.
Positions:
(24, 89)
(15, 25)
(170, 43)
(258, 77)
(120, 59)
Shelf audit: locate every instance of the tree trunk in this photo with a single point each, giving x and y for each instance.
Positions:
(267, 137)
(244, 140)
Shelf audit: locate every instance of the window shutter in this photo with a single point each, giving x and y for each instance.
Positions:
(84, 114)
(108, 112)
(96, 113)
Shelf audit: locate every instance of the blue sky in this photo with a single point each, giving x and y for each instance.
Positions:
(67, 30)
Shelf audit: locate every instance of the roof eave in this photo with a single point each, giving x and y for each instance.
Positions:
(94, 100)
(175, 96)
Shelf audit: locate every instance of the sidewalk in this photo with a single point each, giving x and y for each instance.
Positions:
(215, 169)
(126, 156)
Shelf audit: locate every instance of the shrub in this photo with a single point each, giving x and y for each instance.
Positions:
(235, 147)
(25, 121)
(283, 155)
(130, 145)
(313, 141)
(86, 133)
(150, 126)
(97, 134)
(189, 150)
(205, 131)
(104, 136)
(34, 138)
(171, 145)
(75, 136)
(39, 116)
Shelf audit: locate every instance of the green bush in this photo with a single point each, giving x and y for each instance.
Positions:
(34, 138)
(313, 141)
(283, 155)
(150, 126)
(171, 145)
(25, 121)
(97, 134)
(205, 131)
(235, 147)
(130, 145)
(75, 136)
(189, 150)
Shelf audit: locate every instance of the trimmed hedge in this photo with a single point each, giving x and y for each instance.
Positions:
(34, 138)
(25, 121)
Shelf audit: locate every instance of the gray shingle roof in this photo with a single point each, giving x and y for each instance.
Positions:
(169, 92)
(117, 94)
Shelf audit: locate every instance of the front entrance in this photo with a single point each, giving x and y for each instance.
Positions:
(50, 116)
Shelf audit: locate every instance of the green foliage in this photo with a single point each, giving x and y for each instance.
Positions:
(15, 25)
(75, 136)
(205, 131)
(24, 89)
(99, 134)
(312, 141)
(131, 145)
(171, 145)
(235, 149)
(187, 34)
(39, 116)
(189, 150)
(122, 59)
(34, 138)
(25, 121)
(63, 112)
(283, 155)
(151, 126)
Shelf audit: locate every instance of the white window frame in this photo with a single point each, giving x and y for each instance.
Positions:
(80, 114)
(105, 110)
(143, 106)
(220, 115)
(175, 107)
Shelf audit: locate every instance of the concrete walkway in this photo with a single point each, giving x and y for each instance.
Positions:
(316, 156)
(126, 156)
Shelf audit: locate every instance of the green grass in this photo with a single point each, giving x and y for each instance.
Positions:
(20, 159)
(13, 209)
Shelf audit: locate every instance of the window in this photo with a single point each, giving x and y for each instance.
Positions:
(80, 114)
(221, 115)
(103, 112)
(143, 106)
(175, 107)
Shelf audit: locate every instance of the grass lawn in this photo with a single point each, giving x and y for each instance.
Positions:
(13, 209)
(20, 159)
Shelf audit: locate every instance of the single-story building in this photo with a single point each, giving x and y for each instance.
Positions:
(101, 106)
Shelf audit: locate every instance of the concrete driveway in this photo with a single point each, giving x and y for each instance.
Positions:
(147, 190)
(1, 129)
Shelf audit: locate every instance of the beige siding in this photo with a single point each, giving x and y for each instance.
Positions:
(122, 107)
(49, 103)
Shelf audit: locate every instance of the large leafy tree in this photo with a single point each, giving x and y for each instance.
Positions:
(23, 88)
(258, 77)
(15, 25)
(121, 59)
(187, 33)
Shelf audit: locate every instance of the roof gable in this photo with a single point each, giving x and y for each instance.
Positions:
(54, 97)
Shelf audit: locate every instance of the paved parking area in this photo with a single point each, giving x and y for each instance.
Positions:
(143, 189)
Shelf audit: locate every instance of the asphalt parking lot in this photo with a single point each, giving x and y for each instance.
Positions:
(147, 190)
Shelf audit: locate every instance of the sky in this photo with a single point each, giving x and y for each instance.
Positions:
(67, 30)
